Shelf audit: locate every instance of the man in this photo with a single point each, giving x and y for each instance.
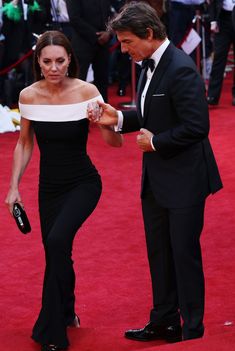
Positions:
(58, 18)
(90, 39)
(179, 171)
(224, 36)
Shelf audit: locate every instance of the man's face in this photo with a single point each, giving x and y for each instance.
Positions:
(136, 47)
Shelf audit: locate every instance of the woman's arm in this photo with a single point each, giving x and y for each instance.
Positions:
(110, 136)
(106, 119)
(21, 157)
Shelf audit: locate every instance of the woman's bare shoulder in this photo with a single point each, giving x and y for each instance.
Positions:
(28, 94)
(88, 90)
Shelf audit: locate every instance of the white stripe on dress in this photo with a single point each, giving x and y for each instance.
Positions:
(56, 113)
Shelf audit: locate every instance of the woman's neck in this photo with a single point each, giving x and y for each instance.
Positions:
(55, 88)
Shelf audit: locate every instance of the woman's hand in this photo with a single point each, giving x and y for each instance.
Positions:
(13, 196)
(107, 116)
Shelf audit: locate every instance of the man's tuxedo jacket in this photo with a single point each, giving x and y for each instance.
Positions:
(182, 171)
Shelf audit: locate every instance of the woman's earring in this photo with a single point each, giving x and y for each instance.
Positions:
(42, 75)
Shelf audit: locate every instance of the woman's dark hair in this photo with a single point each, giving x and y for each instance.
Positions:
(54, 37)
(137, 17)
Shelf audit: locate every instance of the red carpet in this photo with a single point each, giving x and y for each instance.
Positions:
(113, 283)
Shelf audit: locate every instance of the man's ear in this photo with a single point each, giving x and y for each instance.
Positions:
(149, 33)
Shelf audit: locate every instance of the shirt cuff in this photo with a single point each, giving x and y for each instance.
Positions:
(151, 141)
(118, 126)
(214, 25)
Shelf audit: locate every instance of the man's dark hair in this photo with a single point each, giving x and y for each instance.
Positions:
(137, 18)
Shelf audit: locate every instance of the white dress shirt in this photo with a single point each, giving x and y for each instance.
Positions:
(156, 56)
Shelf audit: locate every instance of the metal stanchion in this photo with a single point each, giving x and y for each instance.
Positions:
(131, 104)
(198, 49)
(199, 19)
(204, 75)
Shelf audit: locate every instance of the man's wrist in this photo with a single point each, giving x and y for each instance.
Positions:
(118, 126)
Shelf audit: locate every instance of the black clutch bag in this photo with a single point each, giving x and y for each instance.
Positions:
(21, 219)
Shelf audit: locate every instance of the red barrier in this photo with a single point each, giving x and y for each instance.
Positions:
(114, 46)
(7, 69)
(29, 53)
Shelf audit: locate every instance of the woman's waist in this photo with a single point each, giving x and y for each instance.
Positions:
(58, 186)
(63, 157)
(75, 169)
(58, 177)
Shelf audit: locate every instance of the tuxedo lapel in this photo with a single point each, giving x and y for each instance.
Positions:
(157, 76)
(140, 87)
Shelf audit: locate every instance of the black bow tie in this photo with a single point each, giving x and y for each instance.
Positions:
(148, 63)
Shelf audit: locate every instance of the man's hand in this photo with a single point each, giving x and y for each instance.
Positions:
(144, 140)
(103, 37)
(214, 27)
(108, 115)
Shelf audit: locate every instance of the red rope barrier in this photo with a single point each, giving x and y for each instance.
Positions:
(7, 69)
(114, 46)
(29, 53)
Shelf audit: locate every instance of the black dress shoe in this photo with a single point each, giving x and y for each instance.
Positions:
(50, 348)
(211, 100)
(155, 332)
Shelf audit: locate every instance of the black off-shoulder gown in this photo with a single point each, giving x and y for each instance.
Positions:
(69, 190)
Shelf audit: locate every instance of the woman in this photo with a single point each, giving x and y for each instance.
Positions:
(55, 109)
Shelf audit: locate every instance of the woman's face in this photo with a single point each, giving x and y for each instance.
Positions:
(54, 61)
